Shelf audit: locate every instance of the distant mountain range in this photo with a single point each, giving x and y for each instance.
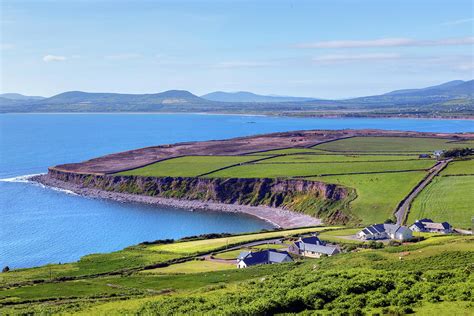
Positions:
(450, 99)
(244, 96)
(17, 96)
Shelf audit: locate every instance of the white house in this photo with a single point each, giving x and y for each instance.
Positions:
(427, 225)
(312, 247)
(385, 231)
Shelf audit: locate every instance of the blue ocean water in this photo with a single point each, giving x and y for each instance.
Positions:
(39, 225)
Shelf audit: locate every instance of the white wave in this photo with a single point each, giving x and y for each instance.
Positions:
(21, 179)
(26, 179)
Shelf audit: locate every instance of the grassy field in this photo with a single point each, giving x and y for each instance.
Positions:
(193, 266)
(390, 144)
(289, 151)
(193, 247)
(189, 166)
(432, 276)
(459, 168)
(448, 199)
(262, 170)
(336, 158)
(377, 194)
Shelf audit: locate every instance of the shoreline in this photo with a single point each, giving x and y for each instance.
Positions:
(277, 115)
(277, 217)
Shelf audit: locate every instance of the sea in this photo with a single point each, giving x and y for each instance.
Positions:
(41, 225)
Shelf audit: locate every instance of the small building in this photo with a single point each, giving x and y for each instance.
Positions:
(424, 156)
(428, 226)
(269, 256)
(385, 231)
(438, 153)
(312, 247)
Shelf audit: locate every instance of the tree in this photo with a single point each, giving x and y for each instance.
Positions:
(6, 269)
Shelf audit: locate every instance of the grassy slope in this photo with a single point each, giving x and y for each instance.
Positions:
(432, 276)
(448, 199)
(189, 166)
(193, 247)
(390, 144)
(261, 170)
(136, 257)
(377, 194)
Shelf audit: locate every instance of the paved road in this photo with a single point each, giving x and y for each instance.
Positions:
(404, 208)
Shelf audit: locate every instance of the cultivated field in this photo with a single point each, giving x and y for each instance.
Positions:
(449, 197)
(382, 170)
(391, 144)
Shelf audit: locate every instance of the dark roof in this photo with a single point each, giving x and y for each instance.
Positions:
(313, 240)
(425, 220)
(266, 256)
(380, 228)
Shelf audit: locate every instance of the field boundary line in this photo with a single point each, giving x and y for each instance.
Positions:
(356, 173)
(235, 165)
(345, 161)
(403, 208)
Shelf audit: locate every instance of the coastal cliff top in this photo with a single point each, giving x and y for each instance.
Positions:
(126, 160)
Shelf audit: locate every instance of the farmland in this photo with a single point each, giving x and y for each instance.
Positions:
(391, 144)
(382, 170)
(449, 197)
(189, 166)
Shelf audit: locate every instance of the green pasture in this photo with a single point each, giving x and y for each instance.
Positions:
(208, 245)
(193, 266)
(390, 144)
(335, 158)
(459, 167)
(189, 166)
(377, 194)
(448, 199)
(261, 170)
(290, 151)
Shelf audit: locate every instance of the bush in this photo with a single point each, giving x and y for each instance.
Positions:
(6, 269)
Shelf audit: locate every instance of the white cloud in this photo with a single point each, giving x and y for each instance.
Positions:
(388, 42)
(242, 64)
(125, 56)
(53, 58)
(344, 58)
(466, 67)
(461, 21)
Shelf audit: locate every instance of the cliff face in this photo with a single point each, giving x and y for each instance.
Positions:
(318, 199)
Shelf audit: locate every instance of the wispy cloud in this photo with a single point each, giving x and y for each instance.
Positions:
(460, 21)
(242, 64)
(345, 58)
(388, 42)
(53, 58)
(125, 56)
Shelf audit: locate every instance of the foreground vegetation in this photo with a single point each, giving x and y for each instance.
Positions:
(434, 274)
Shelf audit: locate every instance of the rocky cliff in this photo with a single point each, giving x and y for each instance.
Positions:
(326, 201)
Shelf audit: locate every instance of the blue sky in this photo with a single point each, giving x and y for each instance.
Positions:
(329, 49)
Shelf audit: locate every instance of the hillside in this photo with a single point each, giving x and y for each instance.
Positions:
(452, 99)
(243, 96)
(18, 96)
(168, 277)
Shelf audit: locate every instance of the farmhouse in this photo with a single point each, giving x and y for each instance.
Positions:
(427, 225)
(312, 247)
(385, 231)
(270, 256)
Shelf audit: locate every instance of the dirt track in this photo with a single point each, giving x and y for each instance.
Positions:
(404, 208)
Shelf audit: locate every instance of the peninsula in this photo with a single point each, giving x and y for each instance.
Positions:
(290, 179)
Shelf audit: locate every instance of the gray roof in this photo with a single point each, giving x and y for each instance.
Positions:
(388, 228)
(265, 256)
(328, 250)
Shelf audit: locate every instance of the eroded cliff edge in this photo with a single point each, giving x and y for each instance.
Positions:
(328, 202)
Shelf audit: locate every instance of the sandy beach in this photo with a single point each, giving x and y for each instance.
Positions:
(276, 216)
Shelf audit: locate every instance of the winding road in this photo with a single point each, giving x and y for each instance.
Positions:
(403, 208)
